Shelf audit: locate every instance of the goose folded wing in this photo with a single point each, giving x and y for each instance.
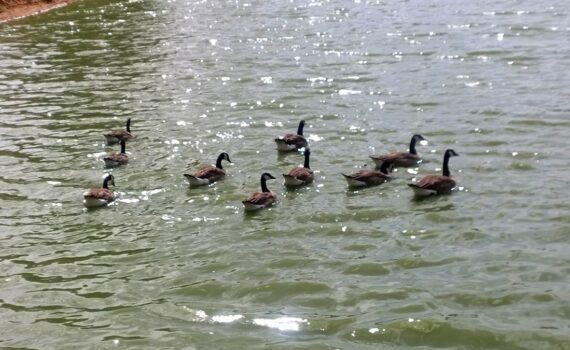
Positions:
(290, 139)
(389, 156)
(99, 193)
(301, 173)
(368, 176)
(118, 157)
(208, 171)
(261, 198)
(436, 182)
(120, 134)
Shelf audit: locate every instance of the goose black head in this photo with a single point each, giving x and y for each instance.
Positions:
(222, 156)
(129, 125)
(415, 138)
(226, 157)
(451, 153)
(448, 154)
(266, 176)
(109, 180)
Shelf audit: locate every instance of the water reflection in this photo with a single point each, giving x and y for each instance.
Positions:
(326, 264)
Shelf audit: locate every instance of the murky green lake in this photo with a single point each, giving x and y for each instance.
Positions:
(168, 267)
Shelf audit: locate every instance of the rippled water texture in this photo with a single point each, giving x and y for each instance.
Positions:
(170, 267)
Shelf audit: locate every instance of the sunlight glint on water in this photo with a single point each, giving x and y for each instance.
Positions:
(167, 266)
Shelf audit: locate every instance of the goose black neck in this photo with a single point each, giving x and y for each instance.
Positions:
(306, 165)
(384, 167)
(446, 164)
(129, 125)
(413, 145)
(106, 183)
(264, 184)
(123, 147)
(219, 161)
(300, 129)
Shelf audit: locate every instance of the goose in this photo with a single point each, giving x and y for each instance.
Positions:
(436, 184)
(259, 200)
(401, 159)
(100, 196)
(292, 142)
(117, 159)
(367, 177)
(300, 175)
(207, 174)
(116, 136)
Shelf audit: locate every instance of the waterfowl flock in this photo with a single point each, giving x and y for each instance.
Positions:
(207, 174)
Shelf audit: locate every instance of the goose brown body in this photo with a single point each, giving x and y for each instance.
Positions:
(263, 199)
(207, 174)
(116, 136)
(117, 159)
(365, 177)
(436, 184)
(401, 159)
(292, 142)
(99, 196)
(300, 175)
(100, 193)
(210, 172)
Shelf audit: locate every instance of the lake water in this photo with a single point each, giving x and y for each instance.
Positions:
(168, 267)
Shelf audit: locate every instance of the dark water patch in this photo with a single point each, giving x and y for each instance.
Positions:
(339, 265)
(415, 263)
(437, 334)
(367, 269)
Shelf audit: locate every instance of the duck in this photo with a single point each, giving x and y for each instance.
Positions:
(117, 159)
(263, 199)
(300, 175)
(292, 142)
(100, 196)
(436, 184)
(401, 159)
(116, 136)
(365, 177)
(207, 174)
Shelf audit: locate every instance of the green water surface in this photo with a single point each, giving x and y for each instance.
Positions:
(168, 267)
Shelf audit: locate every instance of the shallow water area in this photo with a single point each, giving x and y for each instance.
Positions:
(327, 267)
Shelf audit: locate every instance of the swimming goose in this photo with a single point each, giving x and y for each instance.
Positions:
(436, 184)
(292, 142)
(259, 200)
(116, 136)
(367, 177)
(401, 159)
(300, 175)
(97, 197)
(117, 159)
(207, 174)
